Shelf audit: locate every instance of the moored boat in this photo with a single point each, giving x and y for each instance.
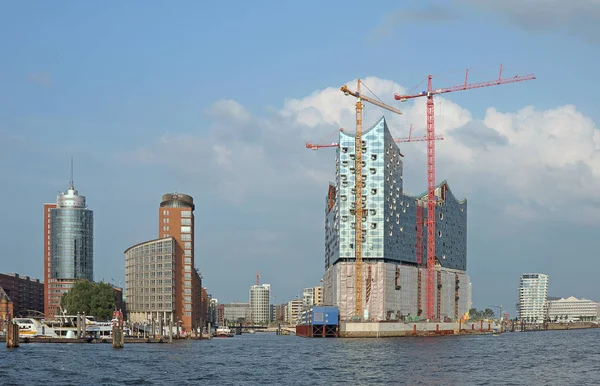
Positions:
(223, 332)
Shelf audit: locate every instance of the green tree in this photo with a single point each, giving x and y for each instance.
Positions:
(96, 299)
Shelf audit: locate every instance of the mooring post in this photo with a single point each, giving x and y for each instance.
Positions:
(83, 325)
(12, 334)
(171, 330)
(117, 330)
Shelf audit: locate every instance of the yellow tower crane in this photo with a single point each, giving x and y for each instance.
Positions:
(358, 211)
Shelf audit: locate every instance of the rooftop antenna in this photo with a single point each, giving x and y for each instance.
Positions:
(257, 278)
(71, 182)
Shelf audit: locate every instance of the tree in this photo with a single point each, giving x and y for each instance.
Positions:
(95, 299)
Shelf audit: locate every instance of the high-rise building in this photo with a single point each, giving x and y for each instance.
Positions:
(532, 306)
(394, 232)
(68, 246)
(260, 300)
(172, 266)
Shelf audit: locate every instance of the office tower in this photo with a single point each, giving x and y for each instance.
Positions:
(260, 300)
(162, 282)
(68, 246)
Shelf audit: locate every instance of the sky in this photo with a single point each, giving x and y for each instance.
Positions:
(217, 100)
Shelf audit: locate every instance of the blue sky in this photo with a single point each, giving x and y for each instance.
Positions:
(217, 99)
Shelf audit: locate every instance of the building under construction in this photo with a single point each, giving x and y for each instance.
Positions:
(394, 229)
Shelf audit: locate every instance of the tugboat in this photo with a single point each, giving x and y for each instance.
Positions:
(223, 332)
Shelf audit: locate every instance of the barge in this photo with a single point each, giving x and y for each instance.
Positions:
(319, 322)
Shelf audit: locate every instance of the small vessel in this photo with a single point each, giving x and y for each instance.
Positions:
(251, 331)
(223, 332)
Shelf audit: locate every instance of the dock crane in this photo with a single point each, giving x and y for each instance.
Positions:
(431, 200)
(358, 211)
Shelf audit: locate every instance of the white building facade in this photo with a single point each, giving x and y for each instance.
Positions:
(573, 309)
(260, 300)
(533, 290)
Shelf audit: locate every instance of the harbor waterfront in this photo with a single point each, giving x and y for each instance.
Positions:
(548, 357)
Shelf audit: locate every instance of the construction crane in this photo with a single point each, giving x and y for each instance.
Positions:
(431, 200)
(358, 189)
(410, 138)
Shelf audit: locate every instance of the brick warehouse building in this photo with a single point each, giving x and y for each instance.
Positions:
(25, 293)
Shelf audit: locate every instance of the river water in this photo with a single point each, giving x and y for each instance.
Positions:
(529, 358)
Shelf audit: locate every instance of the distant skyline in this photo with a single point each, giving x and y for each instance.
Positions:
(217, 101)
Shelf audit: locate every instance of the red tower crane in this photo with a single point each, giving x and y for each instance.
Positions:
(431, 200)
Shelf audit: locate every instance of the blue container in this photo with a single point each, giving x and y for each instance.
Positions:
(324, 315)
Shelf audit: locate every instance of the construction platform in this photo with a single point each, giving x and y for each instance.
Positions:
(397, 329)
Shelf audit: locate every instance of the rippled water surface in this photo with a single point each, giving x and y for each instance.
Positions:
(531, 358)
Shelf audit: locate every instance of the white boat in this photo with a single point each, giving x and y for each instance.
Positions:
(223, 332)
(64, 326)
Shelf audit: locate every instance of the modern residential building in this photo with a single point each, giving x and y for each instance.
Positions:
(312, 296)
(167, 265)
(318, 295)
(260, 300)
(236, 313)
(394, 228)
(308, 297)
(573, 309)
(532, 305)
(26, 294)
(294, 307)
(68, 246)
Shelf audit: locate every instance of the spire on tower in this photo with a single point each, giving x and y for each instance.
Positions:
(71, 182)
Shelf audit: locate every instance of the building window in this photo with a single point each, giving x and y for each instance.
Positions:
(186, 236)
(165, 212)
(165, 228)
(188, 245)
(187, 260)
(186, 229)
(188, 268)
(186, 221)
(187, 252)
(186, 213)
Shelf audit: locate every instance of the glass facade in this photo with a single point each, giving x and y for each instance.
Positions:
(389, 222)
(71, 238)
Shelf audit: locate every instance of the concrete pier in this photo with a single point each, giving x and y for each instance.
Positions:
(396, 329)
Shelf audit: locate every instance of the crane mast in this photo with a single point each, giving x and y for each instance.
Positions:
(358, 202)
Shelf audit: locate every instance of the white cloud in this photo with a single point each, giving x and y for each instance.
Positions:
(536, 161)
